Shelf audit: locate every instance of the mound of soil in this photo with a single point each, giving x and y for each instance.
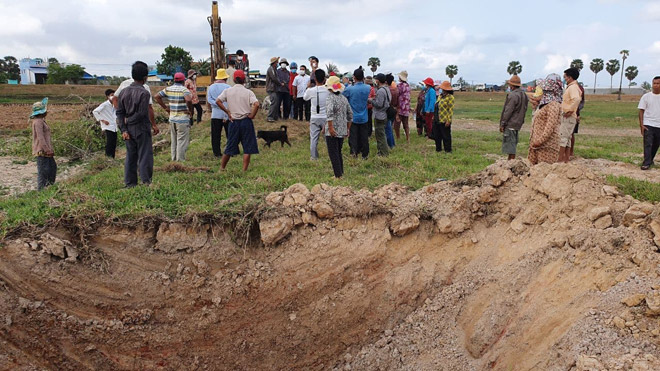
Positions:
(514, 268)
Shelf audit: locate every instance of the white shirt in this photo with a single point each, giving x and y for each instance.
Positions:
(319, 93)
(106, 111)
(650, 103)
(301, 82)
(128, 82)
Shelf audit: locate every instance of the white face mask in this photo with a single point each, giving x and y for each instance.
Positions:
(110, 97)
(301, 72)
(239, 58)
(283, 65)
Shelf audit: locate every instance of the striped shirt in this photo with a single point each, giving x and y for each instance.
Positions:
(176, 97)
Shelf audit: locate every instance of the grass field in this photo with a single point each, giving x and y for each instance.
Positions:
(204, 189)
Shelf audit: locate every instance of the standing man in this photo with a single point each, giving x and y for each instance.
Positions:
(219, 118)
(126, 83)
(513, 116)
(180, 108)
(381, 102)
(242, 64)
(134, 121)
(191, 85)
(649, 122)
(42, 146)
(230, 72)
(106, 115)
(299, 86)
(292, 97)
(318, 95)
(272, 87)
(569, 106)
(357, 96)
(244, 106)
(314, 65)
(283, 94)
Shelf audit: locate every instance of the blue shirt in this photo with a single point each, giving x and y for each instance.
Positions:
(212, 95)
(429, 101)
(357, 97)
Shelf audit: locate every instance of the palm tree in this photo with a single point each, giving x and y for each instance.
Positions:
(203, 67)
(514, 68)
(624, 55)
(577, 63)
(631, 74)
(612, 67)
(596, 66)
(374, 63)
(451, 71)
(331, 67)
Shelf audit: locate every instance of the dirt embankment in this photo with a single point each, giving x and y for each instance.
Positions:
(514, 268)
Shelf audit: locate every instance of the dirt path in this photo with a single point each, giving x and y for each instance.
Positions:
(486, 125)
(17, 177)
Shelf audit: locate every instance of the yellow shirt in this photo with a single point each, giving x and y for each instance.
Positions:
(571, 99)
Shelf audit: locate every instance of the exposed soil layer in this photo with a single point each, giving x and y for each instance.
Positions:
(513, 268)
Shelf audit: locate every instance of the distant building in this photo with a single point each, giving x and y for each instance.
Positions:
(33, 71)
(155, 78)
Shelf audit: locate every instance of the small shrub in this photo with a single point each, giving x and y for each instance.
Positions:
(76, 139)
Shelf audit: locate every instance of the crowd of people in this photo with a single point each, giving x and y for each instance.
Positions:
(355, 108)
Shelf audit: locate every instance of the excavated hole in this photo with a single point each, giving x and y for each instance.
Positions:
(506, 274)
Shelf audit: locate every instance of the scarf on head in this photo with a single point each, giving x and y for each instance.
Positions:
(552, 89)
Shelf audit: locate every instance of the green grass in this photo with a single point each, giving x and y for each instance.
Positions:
(639, 189)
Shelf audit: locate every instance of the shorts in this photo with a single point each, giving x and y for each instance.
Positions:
(509, 141)
(241, 131)
(566, 131)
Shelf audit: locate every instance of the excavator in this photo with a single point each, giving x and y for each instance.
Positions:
(219, 58)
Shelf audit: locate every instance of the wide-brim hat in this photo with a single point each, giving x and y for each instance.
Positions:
(334, 84)
(39, 108)
(274, 60)
(191, 73)
(446, 85)
(514, 80)
(428, 81)
(179, 76)
(403, 76)
(221, 74)
(283, 60)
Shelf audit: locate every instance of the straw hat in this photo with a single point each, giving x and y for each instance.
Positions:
(403, 76)
(446, 85)
(514, 80)
(191, 73)
(39, 108)
(334, 84)
(274, 60)
(428, 81)
(221, 74)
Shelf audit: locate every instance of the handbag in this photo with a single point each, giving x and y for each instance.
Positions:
(391, 111)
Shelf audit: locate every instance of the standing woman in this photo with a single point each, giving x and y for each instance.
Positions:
(443, 116)
(419, 111)
(404, 106)
(429, 106)
(394, 103)
(191, 84)
(544, 138)
(42, 147)
(340, 117)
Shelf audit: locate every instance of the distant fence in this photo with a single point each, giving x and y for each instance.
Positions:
(608, 91)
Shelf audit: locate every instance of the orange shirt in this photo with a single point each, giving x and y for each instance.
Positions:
(571, 99)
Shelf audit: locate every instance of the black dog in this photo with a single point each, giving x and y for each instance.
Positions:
(271, 136)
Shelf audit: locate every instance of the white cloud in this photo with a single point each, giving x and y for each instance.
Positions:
(556, 63)
(13, 22)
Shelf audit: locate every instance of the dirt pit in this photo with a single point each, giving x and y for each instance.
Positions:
(512, 269)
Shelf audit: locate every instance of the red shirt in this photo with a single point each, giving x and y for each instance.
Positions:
(293, 76)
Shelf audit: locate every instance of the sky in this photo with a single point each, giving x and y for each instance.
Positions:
(422, 37)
